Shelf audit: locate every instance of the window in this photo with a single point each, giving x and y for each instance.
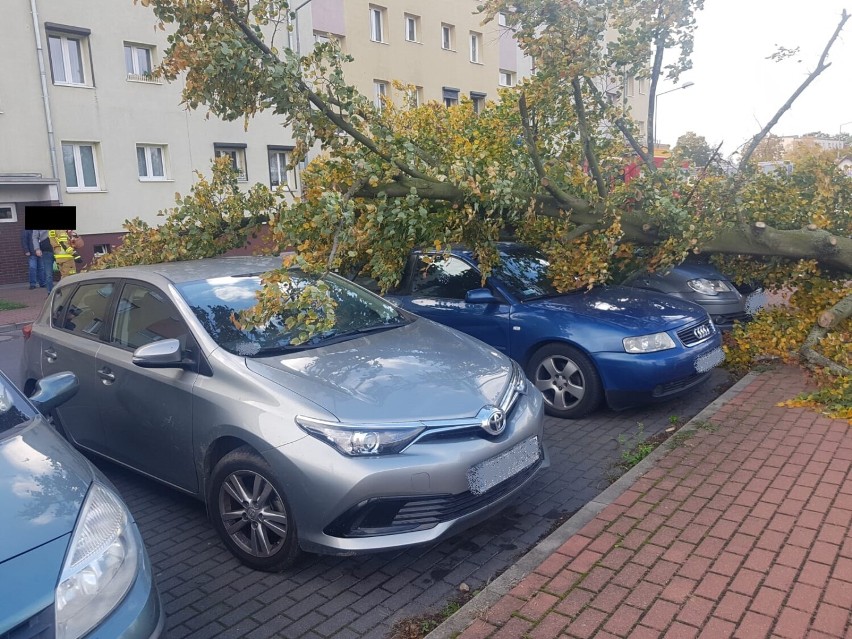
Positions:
(640, 124)
(478, 100)
(380, 92)
(145, 315)
(445, 277)
(631, 87)
(138, 62)
(279, 172)
(412, 28)
(501, 19)
(150, 160)
(507, 78)
(81, 171)
(237, 153)
(475, 46)
(67, 62)
(102, 249)
(414, 96)
(377, 24)
(641, 83)
(451, 96)
(447, 36)
(86, 311)
(8, 212)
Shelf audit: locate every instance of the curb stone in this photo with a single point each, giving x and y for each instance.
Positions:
(494, 591)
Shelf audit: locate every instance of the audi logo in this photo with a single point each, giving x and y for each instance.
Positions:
(702, 331)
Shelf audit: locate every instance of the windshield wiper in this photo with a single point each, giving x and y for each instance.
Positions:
(375, 328)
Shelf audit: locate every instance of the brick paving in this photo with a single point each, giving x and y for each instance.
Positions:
(743, 528)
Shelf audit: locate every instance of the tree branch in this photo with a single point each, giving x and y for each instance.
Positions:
(821, 66)
(588, 150)
(621, 125)
(548, 184)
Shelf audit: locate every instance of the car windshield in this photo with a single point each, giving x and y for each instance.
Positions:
(14, 411)
(524, 271)
(214, 301)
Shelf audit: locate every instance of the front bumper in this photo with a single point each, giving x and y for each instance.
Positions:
(630, 380)
(345, 506)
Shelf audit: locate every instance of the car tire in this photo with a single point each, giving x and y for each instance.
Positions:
(567, 379)
(250, 512)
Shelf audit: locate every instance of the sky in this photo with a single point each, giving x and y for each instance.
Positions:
(737, 90)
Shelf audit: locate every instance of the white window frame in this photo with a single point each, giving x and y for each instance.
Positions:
(507, 78)
(13, 210)
(447, 36)
(414, 96)
(380, 90)
(149, 162)
(475, 47)
(281, 156)
(377, 23)
(102, 249)
(78, 167)
(65, 62)
(412, 28)
(501, 19)
(238, 158)
(134, 59)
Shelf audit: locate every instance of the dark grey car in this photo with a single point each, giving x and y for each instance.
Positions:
(386, 431)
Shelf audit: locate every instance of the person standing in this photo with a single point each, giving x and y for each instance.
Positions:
(65, 245)
(44, 251)
(35, 266)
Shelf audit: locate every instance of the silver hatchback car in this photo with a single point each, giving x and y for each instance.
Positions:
(386, 431)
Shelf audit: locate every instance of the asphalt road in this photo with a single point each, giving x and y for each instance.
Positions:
(207, 593)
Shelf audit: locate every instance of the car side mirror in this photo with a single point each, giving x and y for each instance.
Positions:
(165, 353)
(480, 296)
(54, 390)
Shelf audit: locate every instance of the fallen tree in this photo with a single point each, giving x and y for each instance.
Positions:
(547, 162)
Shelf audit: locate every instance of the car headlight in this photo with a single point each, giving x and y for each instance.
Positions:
(648, 343)
(708, 287)
(100, 566)
(355, 440)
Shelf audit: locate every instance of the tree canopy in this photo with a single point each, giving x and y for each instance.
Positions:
(546, 163)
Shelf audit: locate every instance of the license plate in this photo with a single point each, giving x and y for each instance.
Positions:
(485, 475)
(708, 361)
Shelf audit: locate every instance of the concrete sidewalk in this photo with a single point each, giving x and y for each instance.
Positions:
(33, 299)
(741, 526)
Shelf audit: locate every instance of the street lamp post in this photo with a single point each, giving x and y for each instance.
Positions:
(685, 85)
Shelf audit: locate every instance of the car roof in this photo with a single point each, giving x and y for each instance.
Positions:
(192, 270)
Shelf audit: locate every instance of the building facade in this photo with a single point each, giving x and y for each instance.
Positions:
(84, 123)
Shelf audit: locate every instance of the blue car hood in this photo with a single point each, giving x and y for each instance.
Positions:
(634, 310)
(42, 485)
(418, 371)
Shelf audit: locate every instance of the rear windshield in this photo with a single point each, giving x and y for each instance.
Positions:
(215, 300)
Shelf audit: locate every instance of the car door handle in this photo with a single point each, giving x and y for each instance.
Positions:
(106, 375)
(50, 355)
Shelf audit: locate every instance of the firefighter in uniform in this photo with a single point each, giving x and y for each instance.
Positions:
(65, 245)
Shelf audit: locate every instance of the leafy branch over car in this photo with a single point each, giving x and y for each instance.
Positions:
(547, 160)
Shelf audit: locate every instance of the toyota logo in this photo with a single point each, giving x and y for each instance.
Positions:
(495, 421)
(702, 331)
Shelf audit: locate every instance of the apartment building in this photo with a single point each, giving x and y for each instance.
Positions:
(84, 123)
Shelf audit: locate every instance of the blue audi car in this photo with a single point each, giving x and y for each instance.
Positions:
(621, 345)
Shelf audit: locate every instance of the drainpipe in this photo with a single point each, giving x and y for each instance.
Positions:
(45, 98)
